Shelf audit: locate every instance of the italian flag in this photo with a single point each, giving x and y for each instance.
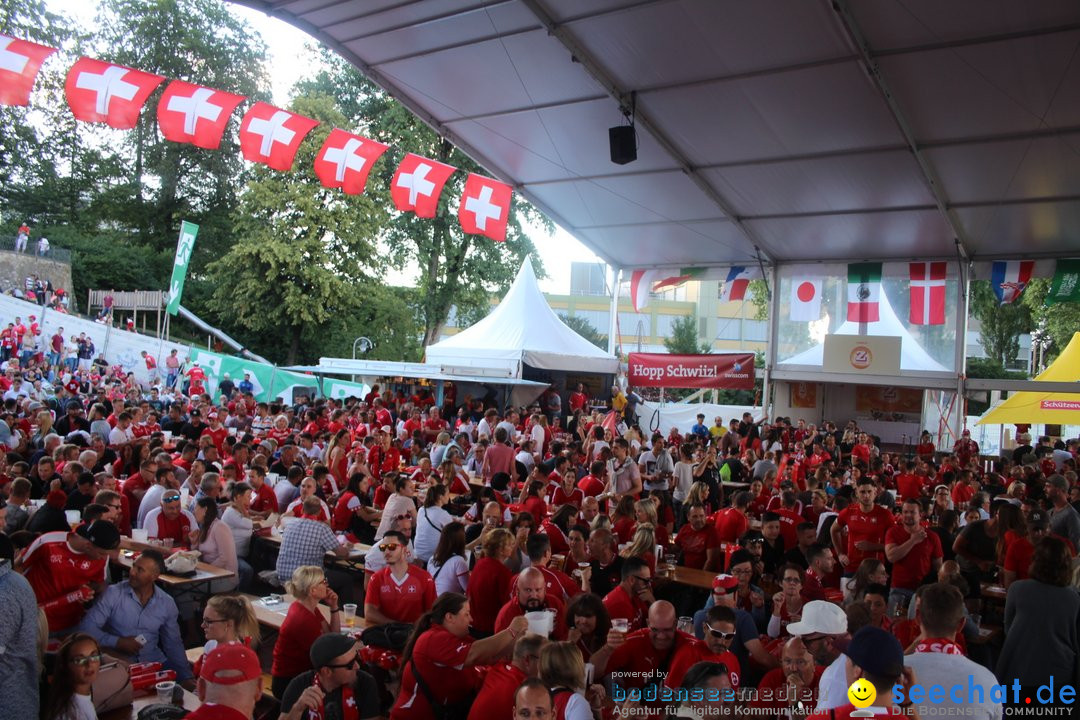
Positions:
(863, 290)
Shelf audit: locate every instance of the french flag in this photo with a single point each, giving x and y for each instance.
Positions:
(738, 279)
(1008, 278)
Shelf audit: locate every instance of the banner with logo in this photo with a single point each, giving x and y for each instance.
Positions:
(268, 383)
(731, 371)
(184, 246)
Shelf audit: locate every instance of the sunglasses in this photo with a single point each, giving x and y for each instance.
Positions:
(350, 664)
(172, 498)
(720, 635)
(84, 660)
(389, 546)
(402, 516)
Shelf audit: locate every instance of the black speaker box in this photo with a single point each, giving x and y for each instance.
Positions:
(623, 143)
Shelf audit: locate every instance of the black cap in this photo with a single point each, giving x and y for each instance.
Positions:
(101, 533)
(877, 652)
(1038, 520)
(328, 647)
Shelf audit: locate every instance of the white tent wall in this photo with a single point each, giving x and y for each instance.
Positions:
(661, 418)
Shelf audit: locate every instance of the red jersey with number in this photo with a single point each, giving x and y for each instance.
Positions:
(53, 570)
(695, 545)
(402, 600)
(908, 573)
(869, 526)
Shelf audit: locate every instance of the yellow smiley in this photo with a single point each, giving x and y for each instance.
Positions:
(862, 693)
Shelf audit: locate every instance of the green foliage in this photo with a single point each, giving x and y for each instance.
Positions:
(1060, 320)
(1000, 325)
(684, 337)
(759, 297)
(585, 329)
(990, 369)
(104, 260)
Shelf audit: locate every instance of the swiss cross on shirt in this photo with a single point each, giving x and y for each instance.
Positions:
(112, 94)
(20, 61)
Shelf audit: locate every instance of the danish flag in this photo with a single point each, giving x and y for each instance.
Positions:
(20, 61)
(927, 286)
(345, 161)
(271, 136)
(194, 114)
(485, 207)
(113, 94)
(417, 184)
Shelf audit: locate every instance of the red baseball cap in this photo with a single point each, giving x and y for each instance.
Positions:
(230, 664)
(725, 582)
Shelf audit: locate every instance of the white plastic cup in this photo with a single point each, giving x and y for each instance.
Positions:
(349, 614)
(165, 691)
(621, 625)
(540, 622)
(167, 435)
(140, 535)
(73, 517)
(589, 670)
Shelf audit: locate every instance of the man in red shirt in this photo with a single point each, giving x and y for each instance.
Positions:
(67, 569)
(866, 525)
(263, 499)
(797, 674)
(496, 696)
(578, 399)
(908, 484)
(698, 541)
(646, 655)
(913, 552)
(631, 598)
(595, 482)
(400, 591)
(434, 424)
(719, 630)
(733, 522)
(136, 485)
(822, 563)
(531, 595)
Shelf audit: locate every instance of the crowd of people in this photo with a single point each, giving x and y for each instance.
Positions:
(521, 561)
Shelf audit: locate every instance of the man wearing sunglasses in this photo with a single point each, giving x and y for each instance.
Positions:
(375, 559)
(719, 627)
(336, 688)
(400, 592)
(631, 598)
(746, 643)
(169, 521)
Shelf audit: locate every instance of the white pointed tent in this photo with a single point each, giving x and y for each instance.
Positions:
(912, 355)
(521, 330)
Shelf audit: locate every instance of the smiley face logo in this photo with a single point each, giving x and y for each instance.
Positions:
(862, 693)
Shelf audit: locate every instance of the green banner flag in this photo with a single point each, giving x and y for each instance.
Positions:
(1066, 285)
(184, 246)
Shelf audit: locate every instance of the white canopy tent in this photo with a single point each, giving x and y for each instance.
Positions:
(521, 330)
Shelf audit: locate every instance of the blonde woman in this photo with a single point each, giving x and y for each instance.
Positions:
(645, 512)
(643, 545)
(227, 619)
(44, 427)
(303, 624)
(698, 495)
(562, 669)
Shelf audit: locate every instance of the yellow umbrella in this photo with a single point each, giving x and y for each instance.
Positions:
(1044, 407)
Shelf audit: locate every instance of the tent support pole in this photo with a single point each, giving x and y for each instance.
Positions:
(613, 320)
(771, 332)
(963, 300)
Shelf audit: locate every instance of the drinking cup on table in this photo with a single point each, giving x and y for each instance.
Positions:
(165, 691)
(140, 535)
(349, 614)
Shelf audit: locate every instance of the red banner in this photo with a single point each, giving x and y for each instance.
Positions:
(733, 371)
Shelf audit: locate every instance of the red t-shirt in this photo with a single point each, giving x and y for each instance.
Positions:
(218, 436)
(439, 656)
(343, 511)
(496, 696)
(789, 521)
(53, 570)
(177, 529)
(731, 524)
(561, 497)
(772, 687)
(695, 545)
(264, 499)
(1018, 557)
(591, 486)
(693, 653)
(962, 494)
(403, 601)
(870, 526)
(908, 573)
(489, 587)
(908, 486)
(513, 609)
(637, 658)
(556, 536)
(619, 604)
(536, 507)
(300, 629)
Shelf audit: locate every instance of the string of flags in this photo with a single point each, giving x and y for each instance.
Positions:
(102, 92)
(927, 283)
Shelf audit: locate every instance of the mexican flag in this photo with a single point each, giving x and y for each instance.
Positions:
(863, 290)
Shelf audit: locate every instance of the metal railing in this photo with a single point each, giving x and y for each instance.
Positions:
(140, 300)
(56, 254)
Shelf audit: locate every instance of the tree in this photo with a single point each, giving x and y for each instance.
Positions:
(684, 337)
(301, 253)
(1060, 320)
(1000, 325)
(455, 269)
(585, 329)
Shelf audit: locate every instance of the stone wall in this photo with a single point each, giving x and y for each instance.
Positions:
(14, 267)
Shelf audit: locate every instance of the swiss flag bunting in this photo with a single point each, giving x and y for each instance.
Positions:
(20, 61)
(106, 93)
(194, 114)
(417, 184)
(485, 207)
(345, 161)
(927, 285)
(271, 136)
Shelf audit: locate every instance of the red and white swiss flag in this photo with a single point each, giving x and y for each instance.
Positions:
(271, 136)
(485, 207)
(927, 283)
(20, 61)
(417, 184)
(345, 161)
(194, 114)
(112, 94)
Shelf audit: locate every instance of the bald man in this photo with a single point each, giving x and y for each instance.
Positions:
(644, 657)
(797, 672)
(530, 595)
(532, 701)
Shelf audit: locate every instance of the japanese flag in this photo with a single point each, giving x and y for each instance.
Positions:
(271, 136)
(106, 93)
(345, 161)
(485, 207)
(417, 184)
(194, 114)
(20, 61)
(805, 298)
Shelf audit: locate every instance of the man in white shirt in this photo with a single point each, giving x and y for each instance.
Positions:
(656, 466)
(122, 433)
(822, 628)
(510, 425)
(164, 479)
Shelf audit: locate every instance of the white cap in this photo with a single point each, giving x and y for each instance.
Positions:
(820, 617)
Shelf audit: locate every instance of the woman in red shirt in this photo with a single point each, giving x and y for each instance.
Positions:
(623, 519)
(533, 503)
(303, 624)
(925, 449)
(445, 658)
(489, 583)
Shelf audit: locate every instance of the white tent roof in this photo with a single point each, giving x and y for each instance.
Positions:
(912, 354)
(522, 329)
